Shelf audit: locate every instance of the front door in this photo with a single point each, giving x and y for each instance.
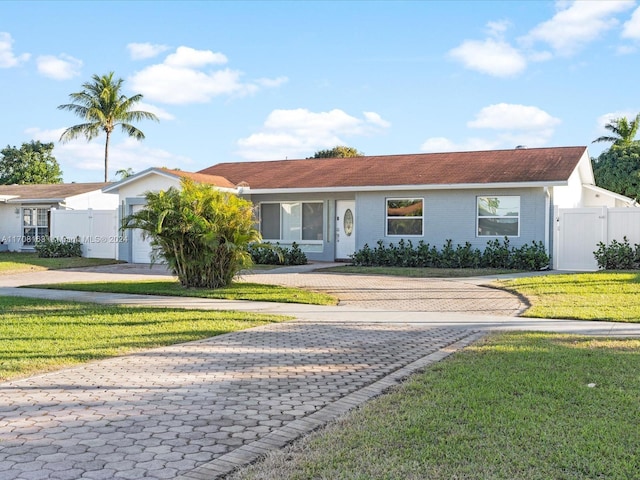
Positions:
(345, 229)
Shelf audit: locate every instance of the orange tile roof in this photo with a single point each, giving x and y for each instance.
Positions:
(483, 167)
(54, 191)
(216, 180)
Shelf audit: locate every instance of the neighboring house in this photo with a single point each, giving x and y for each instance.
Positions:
(25, 210)
(131, 191)
(333, 207)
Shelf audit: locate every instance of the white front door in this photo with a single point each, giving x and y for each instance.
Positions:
(140, 247)
(345, 228)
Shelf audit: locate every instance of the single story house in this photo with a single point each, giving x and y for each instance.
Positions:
(332, 207)
(25, 210)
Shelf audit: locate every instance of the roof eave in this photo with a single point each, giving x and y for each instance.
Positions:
(397, 188)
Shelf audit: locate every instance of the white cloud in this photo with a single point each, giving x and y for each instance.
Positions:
(505, 116)
(299, 133)
(493, 57)
(576, 24)
(189, 57)
(181, 79)
(631, 28)
(513, 125)
(86, 159)
(7, 58)
(442, 144)
(62, 67)
(157, 111)
(141, 51)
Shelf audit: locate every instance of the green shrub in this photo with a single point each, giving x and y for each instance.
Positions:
(270, 254)
(497, 254)
(618, 255)
(55, 248)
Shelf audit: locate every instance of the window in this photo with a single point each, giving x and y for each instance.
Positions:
(405, 216)
(291, 221)
(499, 216)
(35, 225)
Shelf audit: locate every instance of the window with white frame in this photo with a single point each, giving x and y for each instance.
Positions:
(499, 216)
(35, 225)
(292, 221)
(405, 216)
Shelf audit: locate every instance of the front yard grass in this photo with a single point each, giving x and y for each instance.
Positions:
(515, 405)
(612, 296)
(39, 336)
(11, 262)
(235, 291)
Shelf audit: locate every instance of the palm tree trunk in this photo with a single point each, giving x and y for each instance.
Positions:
(106, 157)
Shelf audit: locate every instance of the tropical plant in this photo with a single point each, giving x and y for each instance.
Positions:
(33, 162)
(624, 131)
(103, 107)
(201, 233)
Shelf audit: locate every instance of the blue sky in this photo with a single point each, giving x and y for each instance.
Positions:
(266, 80)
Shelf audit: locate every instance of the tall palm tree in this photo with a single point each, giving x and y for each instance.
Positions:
(104, 107)
(624, 131)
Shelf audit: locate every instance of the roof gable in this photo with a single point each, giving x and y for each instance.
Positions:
(535, 165)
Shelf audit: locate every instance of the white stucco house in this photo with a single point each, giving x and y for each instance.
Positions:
(333, 207)
(25, 210)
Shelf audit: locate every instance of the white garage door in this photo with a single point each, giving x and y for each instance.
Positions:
(140, 248)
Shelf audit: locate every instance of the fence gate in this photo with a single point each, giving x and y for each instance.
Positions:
(579, 230)
(97, 230)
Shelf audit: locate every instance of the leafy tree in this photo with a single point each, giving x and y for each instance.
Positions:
(624, 132)
(338, 152)
(103, 107)
(32, 163)
(203, 234)
(618, 169)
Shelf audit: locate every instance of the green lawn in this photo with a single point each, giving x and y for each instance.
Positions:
(613, 296)
(515, 406)
(38, 335)
(11, 262)
(235, 291)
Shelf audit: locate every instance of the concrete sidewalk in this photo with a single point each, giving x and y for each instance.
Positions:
(199, 410)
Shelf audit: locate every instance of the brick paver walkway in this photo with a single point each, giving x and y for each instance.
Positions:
(396, 293)
(199, 410)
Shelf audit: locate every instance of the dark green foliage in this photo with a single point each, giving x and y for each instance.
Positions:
(270, 254)
(54, 248)
(618, 170)
(203, 234)
(618, 255)
(32, 163)
(496, 255)
(339, 151)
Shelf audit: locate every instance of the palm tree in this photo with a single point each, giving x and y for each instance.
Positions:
(103, 107)
(624, 131)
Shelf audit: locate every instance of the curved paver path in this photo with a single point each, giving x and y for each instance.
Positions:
(396, 293)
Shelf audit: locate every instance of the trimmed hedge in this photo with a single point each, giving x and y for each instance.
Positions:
(618, 255)
(269, 254)
(55, 248)
(497, 254)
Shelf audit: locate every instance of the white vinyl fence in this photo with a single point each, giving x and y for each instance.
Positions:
(579, 230)
(97, 230)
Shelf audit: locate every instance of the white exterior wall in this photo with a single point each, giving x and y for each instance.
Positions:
(95, 200)
(10, 226)
(152, 182)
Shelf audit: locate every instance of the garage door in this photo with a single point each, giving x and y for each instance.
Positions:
(140, 248)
